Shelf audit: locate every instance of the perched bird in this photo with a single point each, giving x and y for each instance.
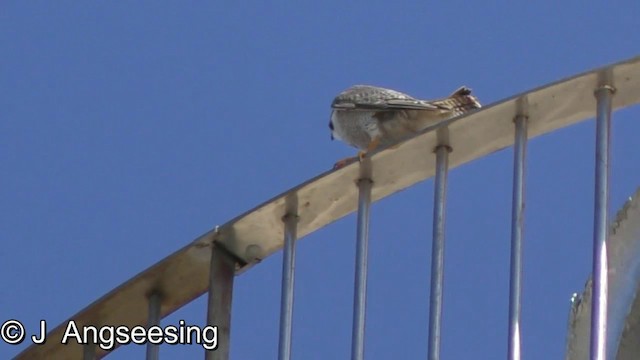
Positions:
(366, 116)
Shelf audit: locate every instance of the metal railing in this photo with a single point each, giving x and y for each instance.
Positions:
(212, 260)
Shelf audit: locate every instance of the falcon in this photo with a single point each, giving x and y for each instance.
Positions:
(368, 117)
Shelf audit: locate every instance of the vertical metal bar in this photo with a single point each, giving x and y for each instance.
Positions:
(517, 227)
(286, 304)
(600, 225)
(155, 301)
(89, 351)
(221, 276)
(437, 251)
(360, 283)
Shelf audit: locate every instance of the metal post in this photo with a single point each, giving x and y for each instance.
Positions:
(155, 302)
(437, 251)
(360, 284)
(286, 304)
(517, 228)
(221, 275)
(600, 225)
(89, 351)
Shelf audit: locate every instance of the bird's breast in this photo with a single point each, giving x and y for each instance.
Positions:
(356, 128)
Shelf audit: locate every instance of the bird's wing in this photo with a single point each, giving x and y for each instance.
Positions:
(412, 104)
(363, 97)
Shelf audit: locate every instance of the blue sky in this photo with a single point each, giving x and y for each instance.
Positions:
(129, 129)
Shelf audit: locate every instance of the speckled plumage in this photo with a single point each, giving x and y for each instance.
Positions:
(368, 116)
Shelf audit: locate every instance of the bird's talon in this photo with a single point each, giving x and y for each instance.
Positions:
(344, 162)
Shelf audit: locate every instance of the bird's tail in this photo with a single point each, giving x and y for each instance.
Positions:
(460, 102)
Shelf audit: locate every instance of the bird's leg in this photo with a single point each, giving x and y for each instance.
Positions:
(344, 162)
(361, 154)
(372, 146)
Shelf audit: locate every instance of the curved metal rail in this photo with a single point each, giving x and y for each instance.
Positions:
(332, 195)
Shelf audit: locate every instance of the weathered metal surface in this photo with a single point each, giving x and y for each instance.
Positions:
(623, 326)
(184, 275)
